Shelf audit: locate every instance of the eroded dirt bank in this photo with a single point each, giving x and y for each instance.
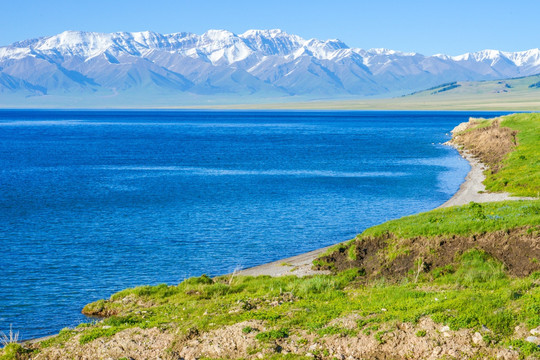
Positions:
(489, 143)
(393, 258)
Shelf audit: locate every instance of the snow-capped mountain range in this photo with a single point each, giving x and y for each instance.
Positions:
(257, 63)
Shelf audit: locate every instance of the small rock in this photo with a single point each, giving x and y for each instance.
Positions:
(532, 339)
(535, 331)
(383, 310)
(477, 338)
(507, 354)
(309, 354)
(106, 327)
(445, 328)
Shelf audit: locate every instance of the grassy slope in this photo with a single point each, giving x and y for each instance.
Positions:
(510, 95)
(475, 293)
(520, 174)
(462, 220)
(515, 86)
(472, 292)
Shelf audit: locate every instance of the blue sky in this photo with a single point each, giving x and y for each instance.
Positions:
(427, 26)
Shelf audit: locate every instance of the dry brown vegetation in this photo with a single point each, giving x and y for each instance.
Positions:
(488, 141)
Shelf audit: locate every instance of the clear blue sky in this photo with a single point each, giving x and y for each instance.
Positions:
(427, 26)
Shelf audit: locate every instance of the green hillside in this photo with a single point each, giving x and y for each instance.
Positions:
(520, 94)
(523, 86)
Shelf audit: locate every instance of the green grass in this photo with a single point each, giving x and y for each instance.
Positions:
(520, 174)
(272, 335)
(477, 267)
(351, 253)
(477, 292)
(13, 351)
(462, 220)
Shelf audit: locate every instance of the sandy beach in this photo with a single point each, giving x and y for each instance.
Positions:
(472, 189)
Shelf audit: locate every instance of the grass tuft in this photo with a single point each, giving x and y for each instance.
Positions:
(10, 338)
(272, 335)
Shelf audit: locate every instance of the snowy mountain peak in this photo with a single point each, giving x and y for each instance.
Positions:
(222, 62)
(388, 52)
(218, 35)
(75, 43)
(272, 33)
(482, 55)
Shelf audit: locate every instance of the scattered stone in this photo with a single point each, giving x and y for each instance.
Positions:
(231, 342)
(532, 339)
(535, 331)
(477, 338)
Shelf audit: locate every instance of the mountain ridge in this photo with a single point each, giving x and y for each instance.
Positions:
(260, 64)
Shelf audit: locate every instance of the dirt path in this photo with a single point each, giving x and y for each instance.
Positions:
(473, 188)
(299, 265)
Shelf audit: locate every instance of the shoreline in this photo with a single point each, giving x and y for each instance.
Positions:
(300, 265)
(471, 190)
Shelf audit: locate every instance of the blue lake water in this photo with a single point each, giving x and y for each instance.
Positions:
(92, 202)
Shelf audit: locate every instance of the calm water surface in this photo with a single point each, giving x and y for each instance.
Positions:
(94, 202)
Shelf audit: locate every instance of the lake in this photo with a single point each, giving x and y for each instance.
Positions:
(92, 202)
